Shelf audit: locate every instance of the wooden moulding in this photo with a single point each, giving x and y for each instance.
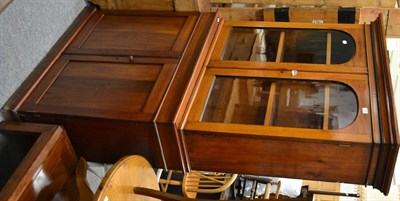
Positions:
(51, 158)
(188, 68)
(26, 88)
(171, 110)
(387, 121)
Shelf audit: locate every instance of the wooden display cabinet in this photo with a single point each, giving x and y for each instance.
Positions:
(190, 91)
(116, 81)
(309, 101)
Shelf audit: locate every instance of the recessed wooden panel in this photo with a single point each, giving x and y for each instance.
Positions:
(134, 34)
(140, 32)
(102, 87)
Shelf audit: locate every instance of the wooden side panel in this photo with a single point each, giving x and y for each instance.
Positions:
(172, 109)
(188, 69)
(393, 26)
(107, 141)
(46, 169)
(134, 34)
(280, 158)
(102, 87)
(59, 166)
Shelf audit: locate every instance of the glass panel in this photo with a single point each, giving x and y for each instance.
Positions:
(343, 47)
(237, 100)
(299, 104)
(303, 104)
(293, 103)
(252, 44)
(342, 106)
(305, 46)
(300, 45)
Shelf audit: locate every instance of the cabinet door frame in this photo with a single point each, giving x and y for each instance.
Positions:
(355, 132)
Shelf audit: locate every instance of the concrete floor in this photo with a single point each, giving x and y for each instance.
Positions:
(28, 29)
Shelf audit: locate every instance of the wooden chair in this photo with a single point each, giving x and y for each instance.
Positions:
(268, 181)
(165, 183)
(133, 178)
(206, 182)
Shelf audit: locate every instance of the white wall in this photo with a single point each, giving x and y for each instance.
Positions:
(28, 30)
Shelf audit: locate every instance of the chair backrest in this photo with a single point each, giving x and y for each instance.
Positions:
(206, 182)
(165, 183)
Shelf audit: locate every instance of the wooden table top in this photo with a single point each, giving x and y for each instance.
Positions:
(128, 172)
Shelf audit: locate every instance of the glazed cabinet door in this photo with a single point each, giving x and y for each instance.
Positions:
(124, 88)
(314, 126)
(274, 103)
(282, 45)
(286, 100)
(162, 34)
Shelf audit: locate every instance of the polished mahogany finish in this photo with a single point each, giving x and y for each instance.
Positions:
(117, 81)
(190, 91)
(47, 169)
